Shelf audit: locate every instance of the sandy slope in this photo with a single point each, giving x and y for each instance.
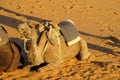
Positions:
(96, 20)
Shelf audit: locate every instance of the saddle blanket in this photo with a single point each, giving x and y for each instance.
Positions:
(69, 32)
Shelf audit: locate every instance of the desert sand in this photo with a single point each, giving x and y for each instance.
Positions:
(96, 20)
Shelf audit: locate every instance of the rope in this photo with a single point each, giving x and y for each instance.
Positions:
(25, 48)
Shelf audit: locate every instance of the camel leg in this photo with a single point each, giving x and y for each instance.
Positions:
(49, 66)
(84, 53)
(16, 58)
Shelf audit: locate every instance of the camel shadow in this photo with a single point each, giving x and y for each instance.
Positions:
(101, 48)
(116, 42)
(92, 35)
(9, 21)
(18, 14)
(14, 22)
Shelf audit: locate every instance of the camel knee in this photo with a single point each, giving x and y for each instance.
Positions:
(84, 53)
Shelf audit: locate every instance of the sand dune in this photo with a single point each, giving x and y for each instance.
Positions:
(95, 19)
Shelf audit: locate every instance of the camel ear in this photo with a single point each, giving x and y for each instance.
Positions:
(3, 29)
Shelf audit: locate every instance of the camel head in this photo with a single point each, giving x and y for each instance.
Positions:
(28, 29)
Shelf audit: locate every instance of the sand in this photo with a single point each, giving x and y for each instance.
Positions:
(95, 19)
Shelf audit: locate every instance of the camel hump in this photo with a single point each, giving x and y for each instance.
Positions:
(4, 37)
(69, 32)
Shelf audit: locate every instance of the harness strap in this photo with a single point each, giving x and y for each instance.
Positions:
(45, 48)
(60, 50)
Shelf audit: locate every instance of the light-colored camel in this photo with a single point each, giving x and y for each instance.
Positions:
(40, 50)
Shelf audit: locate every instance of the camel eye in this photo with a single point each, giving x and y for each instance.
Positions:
(30, 26)
(37, 26)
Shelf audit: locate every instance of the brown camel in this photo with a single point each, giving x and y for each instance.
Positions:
(40, 50)
(9, 53)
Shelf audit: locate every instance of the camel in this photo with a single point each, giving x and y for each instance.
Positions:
(40, 50)
(9, 53)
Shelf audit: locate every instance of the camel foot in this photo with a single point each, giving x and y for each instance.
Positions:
(83, 57)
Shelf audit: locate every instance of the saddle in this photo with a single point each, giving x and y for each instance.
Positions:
(67, 29)
(69, 32)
